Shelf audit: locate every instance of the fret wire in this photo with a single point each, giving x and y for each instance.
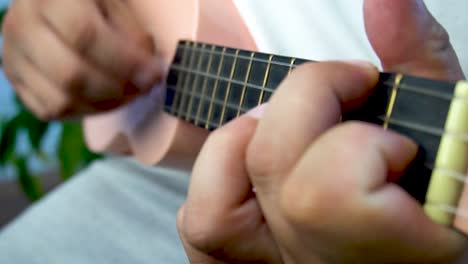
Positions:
(186, 84)
(403, 87)
(217, 77)
(393, 97)
(205, 81)
(216, 102)
(215, 88)
(265, 80)
(202, 120)
(277, 63)
(194, 83)
(228, 90)
(177, 95)
(433, 131)
(291, 66)
(244, 87)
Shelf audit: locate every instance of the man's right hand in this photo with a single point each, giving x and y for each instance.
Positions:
(68, 58)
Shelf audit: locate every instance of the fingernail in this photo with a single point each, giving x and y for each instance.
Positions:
(149, 75)
(257, 112)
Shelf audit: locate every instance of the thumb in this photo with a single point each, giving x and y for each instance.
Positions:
(408, 39)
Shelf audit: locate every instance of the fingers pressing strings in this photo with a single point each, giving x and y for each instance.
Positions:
(314, 89)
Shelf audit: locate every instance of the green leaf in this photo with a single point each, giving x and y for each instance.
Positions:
(70, 149)
(29, 184)
(8, 139)
(73, 153)
(36, 130)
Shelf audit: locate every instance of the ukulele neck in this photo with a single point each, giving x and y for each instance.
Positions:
(209, 86)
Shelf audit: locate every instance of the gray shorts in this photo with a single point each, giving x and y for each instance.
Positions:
(116, 211)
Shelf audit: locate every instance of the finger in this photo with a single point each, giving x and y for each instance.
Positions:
(57, 63)
(13, 62)
(55, 102)
(340, 187)
(93, 38)
(72, 75)
(423, 48)
(124, 20)
(46, 101)
(194, 255)
(30, 100)
(306, 104)
(222, 216)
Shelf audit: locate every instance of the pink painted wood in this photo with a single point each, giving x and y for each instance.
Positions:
(138, 128)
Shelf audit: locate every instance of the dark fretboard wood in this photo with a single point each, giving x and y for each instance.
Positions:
(210, 85)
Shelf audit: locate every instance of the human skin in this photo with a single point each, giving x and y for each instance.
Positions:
(136, 66)
(103, 61)
(327, 194)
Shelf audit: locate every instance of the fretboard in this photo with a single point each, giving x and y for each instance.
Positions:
(209, 86)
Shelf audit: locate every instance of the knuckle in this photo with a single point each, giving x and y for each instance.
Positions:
(361, 133)
(60, 110)
(72, 77)
(221, 137)
(300, 208)
(84, 37)
(77, 29)
(199, 232)
(312, 207)
(261, 157)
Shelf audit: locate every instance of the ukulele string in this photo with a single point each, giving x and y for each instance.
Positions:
(457, 176)
(434, 131)
(410, 125)
(404, 87)
(457, 211)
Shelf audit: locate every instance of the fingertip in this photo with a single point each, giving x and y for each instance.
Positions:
(402, 219)
(150, 74)
(257, 112)
(399, 151)
(364, 65)
(369, 69)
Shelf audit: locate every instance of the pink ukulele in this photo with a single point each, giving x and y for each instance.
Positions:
(209, 83)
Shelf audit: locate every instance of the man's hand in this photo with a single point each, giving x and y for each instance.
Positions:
(68, 58)
(324, 191)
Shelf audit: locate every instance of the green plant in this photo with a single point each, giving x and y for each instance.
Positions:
(72, 153)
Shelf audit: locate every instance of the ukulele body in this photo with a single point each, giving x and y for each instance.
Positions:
(141, 129)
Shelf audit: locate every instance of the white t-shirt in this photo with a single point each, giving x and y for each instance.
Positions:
(326, 30)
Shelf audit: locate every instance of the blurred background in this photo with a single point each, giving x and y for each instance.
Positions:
(35, 156)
